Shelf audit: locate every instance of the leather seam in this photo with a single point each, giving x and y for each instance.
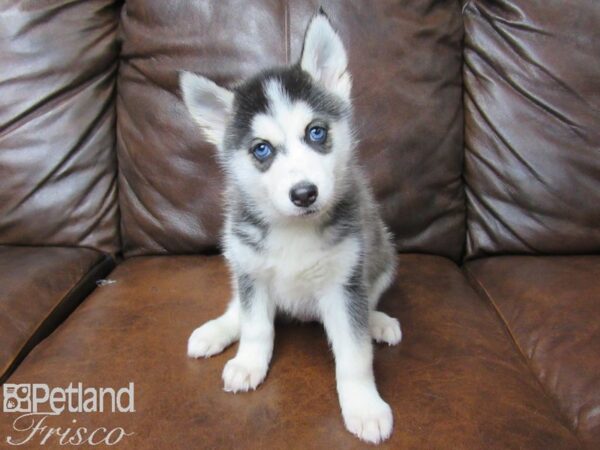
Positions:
(465, 6)
(37, 335)
(553, 401)
(286, 30)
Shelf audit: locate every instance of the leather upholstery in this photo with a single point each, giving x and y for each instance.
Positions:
(513, 363)
(532, 100)
(39, 287)
(550, 306)
(57, 116)
(405, 59)
(454, 382)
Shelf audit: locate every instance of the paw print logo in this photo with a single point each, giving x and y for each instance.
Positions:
(17, 398)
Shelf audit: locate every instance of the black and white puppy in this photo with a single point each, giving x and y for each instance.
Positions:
(303, 235)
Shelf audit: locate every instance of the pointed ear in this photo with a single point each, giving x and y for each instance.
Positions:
(209, 104)
(324, 56)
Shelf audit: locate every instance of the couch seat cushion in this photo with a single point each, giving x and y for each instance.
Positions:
(454, 382)
(551, 307)
(39, 287)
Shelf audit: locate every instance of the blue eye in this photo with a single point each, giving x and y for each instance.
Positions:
(262, 151)
(317, 134)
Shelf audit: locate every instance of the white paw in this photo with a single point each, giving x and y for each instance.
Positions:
(210, 339)
(369, 419)
(241, 376)
(384, 328)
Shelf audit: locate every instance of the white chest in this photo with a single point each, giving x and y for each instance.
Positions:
(297, 264)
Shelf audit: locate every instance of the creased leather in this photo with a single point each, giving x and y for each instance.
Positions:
(405, 59)
(454, 382)
(39, 287)
(57, 119)
(532, 101)
(550, 305)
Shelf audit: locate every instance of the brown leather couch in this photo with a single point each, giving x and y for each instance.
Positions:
(479, 124)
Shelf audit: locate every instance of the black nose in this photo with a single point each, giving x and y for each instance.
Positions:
(304, 194)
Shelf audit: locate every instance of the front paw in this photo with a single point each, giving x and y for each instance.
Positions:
(384, 329)
(240, 375)
(209, 339)
(368, 417)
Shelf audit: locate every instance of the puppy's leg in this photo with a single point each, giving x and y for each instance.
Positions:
(384, 329)
(217, 334)
(382, 282)
(345, 314)
(257, 314)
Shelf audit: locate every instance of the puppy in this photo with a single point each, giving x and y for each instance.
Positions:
(303, 235)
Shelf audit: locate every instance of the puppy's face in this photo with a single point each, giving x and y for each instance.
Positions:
(284, 136)
(288, 143)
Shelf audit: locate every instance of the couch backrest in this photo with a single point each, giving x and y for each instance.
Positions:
(405, 58)
(532, 126)
(532, 101)
(58, 65)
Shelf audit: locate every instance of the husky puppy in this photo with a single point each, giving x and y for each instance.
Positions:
(303, 235)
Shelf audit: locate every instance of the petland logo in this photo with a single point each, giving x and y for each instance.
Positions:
(39, 403)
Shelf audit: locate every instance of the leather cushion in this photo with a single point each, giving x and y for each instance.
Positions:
(532, 109)
(405, 59)
(454, 382)
(551, 306)
(39, 287)
(57, 120)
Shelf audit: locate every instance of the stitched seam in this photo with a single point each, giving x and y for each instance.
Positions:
(19, 356)
(553, 400)
(465, 6)
(463, 182)
(286, 30)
